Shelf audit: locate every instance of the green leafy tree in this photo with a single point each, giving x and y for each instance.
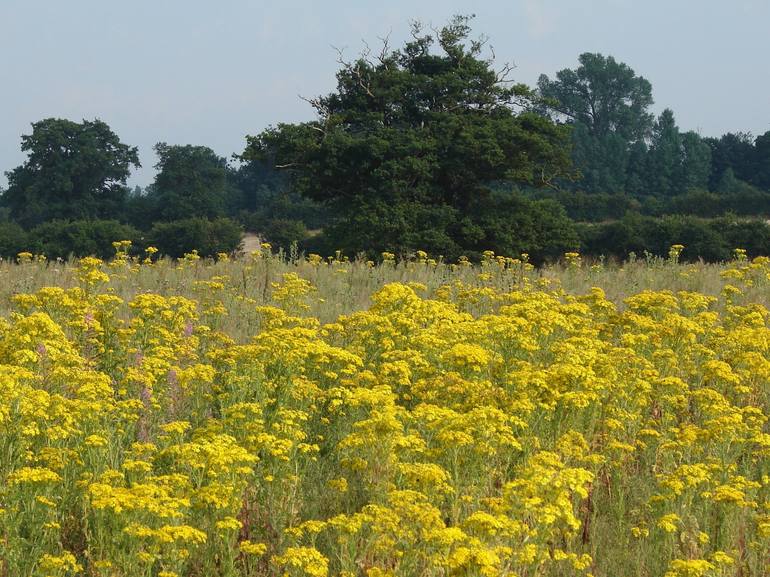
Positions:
(608, 105)
(665, 155)
(676, 162)
(265, 202)
(734, 151)
(603, 162)
(604, 95)
(140, 208)
(73, 171)
(727, 183)
(636, 169)
(761, 177)
(696, 163)
(192, 182)
(408, 145)
(257, 182)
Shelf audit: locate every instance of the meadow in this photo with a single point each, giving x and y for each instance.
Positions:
(300, 416)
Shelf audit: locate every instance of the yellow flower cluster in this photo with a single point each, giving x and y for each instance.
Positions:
(463, 430)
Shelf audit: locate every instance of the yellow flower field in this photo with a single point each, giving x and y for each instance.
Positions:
(320, 417)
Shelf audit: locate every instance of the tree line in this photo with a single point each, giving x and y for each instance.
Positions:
(430, 146)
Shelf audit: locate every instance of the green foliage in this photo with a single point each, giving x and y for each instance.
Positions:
(696, 203)
(13, 239)
(409, 142)
(62, 239)
(664, 156)
(192, 182)
(208, 237)
(710, 240)
(416, 148)
(281, 232)
(745, 201)
(265, 195)
(590, 207)
(761, 172)
(695, 162)
(605, 96)
(608, 104)
(616, 145)
(73, 171)
(734, 152)
(751, 235)
(504, 222)
(140, 209)
(510, 225)
(598, 207)
(676, 162)
(602, 161)
(374, 226)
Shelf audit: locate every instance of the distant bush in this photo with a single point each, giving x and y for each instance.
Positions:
(253, 222)
(208, 237)
(590, 207)
(63, 238)
(600, 207)
(751, 235)
(697, 203)
(711, 240)
(510, 224)
(139, 210)
(284, 232)
(747, 201)
(278, 231)
(13, 239)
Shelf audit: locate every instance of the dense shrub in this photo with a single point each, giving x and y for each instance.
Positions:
(701, 239)
(751, 235)
(745, 202)
(710, 240)
(281, 232)
(139, 210)
(253, 222)
(590, 207)
(13, 239)
(748, 201)
(599, 207)
(510, 225)
(208, 237)
(62, 239)
(696, 202)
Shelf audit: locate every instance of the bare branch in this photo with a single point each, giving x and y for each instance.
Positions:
(416, 28)
(382, 56)
(355, 69)
(340, 52)
(502, 76)
(366, 52)
(478, 45)
(315, 103)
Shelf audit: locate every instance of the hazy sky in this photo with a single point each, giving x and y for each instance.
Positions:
(204, 72)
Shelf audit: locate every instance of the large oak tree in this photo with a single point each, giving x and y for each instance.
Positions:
(409, 146)
(73, 171)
